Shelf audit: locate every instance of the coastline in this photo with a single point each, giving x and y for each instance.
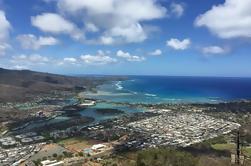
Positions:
(164, 90)
(117, 125)
(123, 92)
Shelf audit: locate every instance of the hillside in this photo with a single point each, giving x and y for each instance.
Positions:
(16, 85)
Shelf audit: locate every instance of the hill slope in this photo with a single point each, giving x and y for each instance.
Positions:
(23, 85)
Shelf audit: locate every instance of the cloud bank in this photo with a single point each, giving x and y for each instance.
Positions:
(30, 41)
(115, 21)
(229, 20)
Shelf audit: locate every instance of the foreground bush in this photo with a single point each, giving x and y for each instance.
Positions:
(165, 157)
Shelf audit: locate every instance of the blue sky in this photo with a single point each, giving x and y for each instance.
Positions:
(138, 37)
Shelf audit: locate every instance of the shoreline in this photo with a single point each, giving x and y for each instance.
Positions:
(146, 106)
(121, 92)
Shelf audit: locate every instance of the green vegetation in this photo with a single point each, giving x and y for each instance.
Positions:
(67, 154)
(159, 157)
(55, 155)
(217, 140)
(37, 162)
(153, 157)
(223, 147)
(247, 151)
(44, 158)
(217, 146)
(231, 148)
(81, 154)
(247, 137)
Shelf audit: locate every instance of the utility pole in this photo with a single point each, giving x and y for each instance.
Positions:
(238, 157)
(238, 148)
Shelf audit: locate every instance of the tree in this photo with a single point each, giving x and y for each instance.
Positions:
(81, 154)
(163, 157)
(44, 158)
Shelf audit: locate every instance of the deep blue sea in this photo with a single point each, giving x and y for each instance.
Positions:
(165, 89)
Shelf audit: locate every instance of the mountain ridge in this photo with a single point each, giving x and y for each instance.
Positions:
(22, 85)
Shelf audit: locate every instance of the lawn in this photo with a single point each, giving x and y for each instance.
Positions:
(247, 151)
(229, 147)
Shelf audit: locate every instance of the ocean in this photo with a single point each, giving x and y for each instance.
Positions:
(171, 89)
(160, 89)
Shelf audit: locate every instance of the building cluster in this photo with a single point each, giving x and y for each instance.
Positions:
(179, 129)
(7, 142)
(19, 147)
(22, 139)
(157, 127)
(91, 131)
(71, 131)
(29, 138)
(19, 154)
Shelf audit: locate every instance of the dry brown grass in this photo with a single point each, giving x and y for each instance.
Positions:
(77, 144)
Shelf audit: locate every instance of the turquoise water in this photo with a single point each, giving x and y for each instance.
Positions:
(153, 89)
(90, 112)
(161, 89)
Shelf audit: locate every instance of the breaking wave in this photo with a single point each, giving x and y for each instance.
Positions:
(119, 85)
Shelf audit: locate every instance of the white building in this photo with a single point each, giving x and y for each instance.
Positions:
(98, 147)
(52, 163)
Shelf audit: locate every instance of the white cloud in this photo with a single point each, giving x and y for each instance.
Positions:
(142, 9)
(133, 33)
(157, 52)
(4, 27)
(30, 41)
(20, 67)
(119, 21)
(106, 40)
(24, 61)
(67, 61)
(33, 59)
(229, 20)
(214, 50)
(129, 57)
(91, 27)
(3, 48)
(95, 6)
(4, 33)
(178, 44)
(54, 23)
(71, 60)
(177, 9)
(99, 59)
